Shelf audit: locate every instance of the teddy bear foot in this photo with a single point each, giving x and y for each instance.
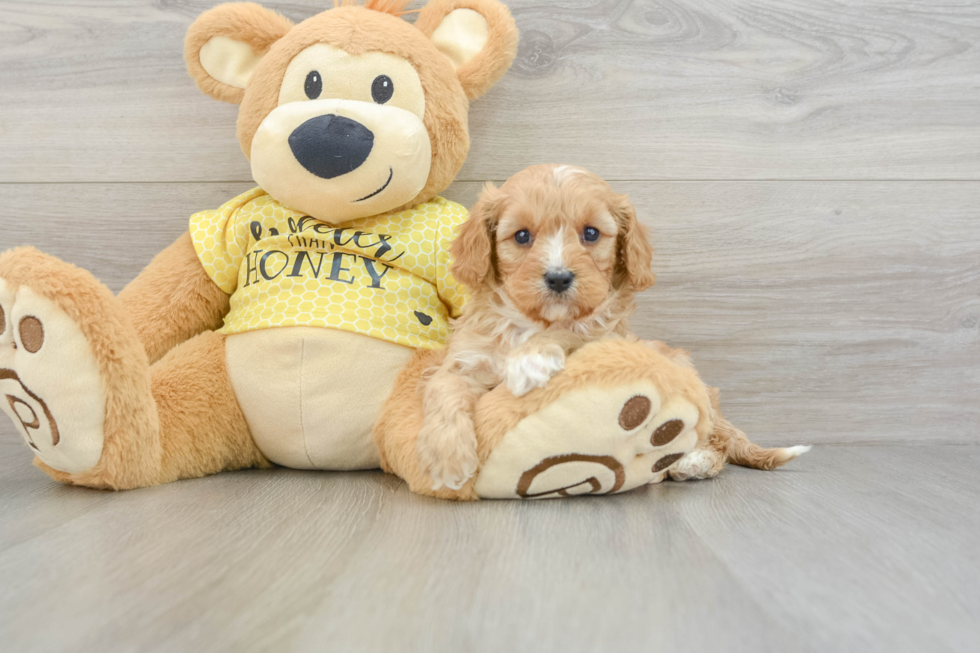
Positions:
(73, 376)
(606, 431)
(50, 383)
(591, 442)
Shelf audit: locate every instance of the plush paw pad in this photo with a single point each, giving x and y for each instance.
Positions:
(591, 441)
(666, 432)
(588, 474)
(49, 381)
(666, 461)
(635, 411)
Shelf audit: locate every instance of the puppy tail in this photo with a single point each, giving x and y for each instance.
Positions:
(742, 451)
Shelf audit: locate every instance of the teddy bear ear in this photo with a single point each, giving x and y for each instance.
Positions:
(225, 44)
(478, 36)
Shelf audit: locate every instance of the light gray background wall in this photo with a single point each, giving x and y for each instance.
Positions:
(810, 172)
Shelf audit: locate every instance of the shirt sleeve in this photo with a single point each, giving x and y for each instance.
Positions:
(221, 243)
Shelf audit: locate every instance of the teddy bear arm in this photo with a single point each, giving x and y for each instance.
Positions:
(173, 299)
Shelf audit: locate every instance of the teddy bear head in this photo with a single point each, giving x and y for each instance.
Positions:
(353, 112)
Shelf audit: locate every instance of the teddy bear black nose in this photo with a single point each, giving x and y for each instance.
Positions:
(559, 281)
(330, 145)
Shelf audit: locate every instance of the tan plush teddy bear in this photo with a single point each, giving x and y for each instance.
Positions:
(272, 331)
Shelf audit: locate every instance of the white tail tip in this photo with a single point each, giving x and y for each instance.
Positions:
(798, 450)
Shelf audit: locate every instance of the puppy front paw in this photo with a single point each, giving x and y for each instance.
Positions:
(447, 453)
(529, 370)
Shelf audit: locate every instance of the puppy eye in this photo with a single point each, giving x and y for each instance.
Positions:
(382, 88)
(314, 85)
(590, 234)
(522, 237)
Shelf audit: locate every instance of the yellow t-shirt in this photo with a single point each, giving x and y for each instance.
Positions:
(386, 276)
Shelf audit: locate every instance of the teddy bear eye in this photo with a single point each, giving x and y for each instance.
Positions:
(590, 234)
(314, 85)
(522, 237)
(382, 89)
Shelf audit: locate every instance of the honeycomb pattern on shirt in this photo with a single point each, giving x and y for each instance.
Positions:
(386, 276)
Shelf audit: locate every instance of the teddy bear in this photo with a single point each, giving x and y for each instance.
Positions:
(271, 332)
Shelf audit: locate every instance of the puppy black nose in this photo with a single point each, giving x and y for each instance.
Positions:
(330, 146)
(559, 281)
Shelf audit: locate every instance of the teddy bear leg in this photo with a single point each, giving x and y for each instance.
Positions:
(76, 382)
(202, 428)
(619, 416)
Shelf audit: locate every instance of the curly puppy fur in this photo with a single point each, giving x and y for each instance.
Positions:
(553, 258)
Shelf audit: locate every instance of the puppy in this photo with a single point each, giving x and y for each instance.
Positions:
(553, 260)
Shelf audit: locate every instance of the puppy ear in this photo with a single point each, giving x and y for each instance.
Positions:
(478, 36)
(473, 248)
(225, 44)
(635, 256)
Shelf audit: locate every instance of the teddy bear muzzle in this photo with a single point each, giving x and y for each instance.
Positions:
(340, 160)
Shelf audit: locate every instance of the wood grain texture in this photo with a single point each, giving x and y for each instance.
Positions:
(634, 89)
(826, 312)
(853, 548)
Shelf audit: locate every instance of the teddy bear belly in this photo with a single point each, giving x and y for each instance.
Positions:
(310, 395)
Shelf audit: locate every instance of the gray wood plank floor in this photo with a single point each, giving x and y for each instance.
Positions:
(853, 548)
(810, 172)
